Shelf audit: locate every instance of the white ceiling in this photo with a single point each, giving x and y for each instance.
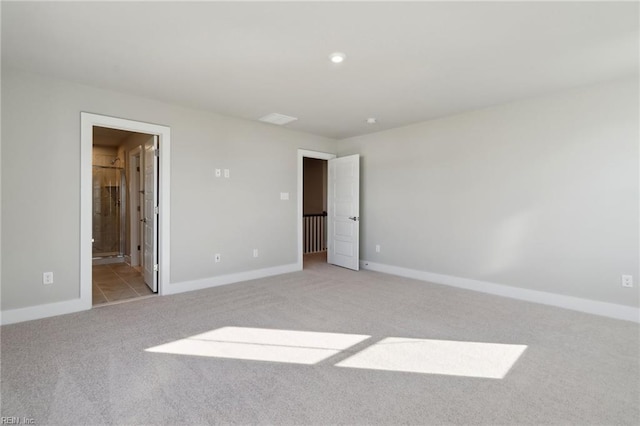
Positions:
(406, 62)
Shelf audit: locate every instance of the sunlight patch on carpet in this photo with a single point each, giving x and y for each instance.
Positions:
(469, 359)
(259, 344)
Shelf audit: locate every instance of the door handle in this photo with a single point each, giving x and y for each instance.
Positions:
(354, 218)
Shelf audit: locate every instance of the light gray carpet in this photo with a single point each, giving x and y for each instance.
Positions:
(92, 368)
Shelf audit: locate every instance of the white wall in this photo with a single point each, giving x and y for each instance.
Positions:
(541, 194)
(41, 187)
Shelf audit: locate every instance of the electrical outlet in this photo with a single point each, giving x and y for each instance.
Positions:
(227, 173)
(377, 248)
(627, 281)
(218, 172)
(217, 257)
(255, 252)
(47, 278)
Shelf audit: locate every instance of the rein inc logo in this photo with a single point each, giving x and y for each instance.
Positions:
(17, 421)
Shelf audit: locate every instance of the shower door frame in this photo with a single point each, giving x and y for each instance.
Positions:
(87, 122)
(122, 206)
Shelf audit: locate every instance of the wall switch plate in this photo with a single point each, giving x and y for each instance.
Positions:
(217, 258)
(284, 195)
(218, 173)
(47, 278)
(377, 248)
(627, 281)
(227, 173)
(255, 252)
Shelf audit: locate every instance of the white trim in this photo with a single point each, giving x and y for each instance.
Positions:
(229, 279)
(42, 311)
(303, 153)
(611, 310)
(77, 305)
(108, 260)
(87, 121)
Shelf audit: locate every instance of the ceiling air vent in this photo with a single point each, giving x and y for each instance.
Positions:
(279, 119)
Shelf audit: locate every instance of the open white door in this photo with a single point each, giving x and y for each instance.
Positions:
(151, 213)
(343, 205)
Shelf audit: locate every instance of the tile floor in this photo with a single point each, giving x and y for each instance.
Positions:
(116, 282)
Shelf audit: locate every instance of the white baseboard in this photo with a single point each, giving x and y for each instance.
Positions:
(70, 306)
(611, 310)
(12, 316)
(229, 279)
(107, 260)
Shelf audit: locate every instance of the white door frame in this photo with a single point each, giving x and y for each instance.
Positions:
(134, 204)
(302, 154)
(87, 122)
(150, 205)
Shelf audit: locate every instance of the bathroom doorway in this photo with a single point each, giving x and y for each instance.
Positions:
(158, 213)
(118, 258)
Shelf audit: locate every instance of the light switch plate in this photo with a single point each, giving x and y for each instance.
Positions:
(284, 195)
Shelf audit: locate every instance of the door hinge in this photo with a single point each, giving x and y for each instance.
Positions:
(137, 169)
(138, 208)
(156, 209)
(155, 267)
(156, 152)
(138, 247)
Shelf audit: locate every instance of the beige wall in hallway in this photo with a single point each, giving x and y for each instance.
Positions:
(315, 186)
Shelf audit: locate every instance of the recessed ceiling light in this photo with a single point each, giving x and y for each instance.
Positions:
(337, 57)
(371, 120)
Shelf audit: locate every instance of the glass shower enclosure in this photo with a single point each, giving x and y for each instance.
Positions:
(109, 193)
